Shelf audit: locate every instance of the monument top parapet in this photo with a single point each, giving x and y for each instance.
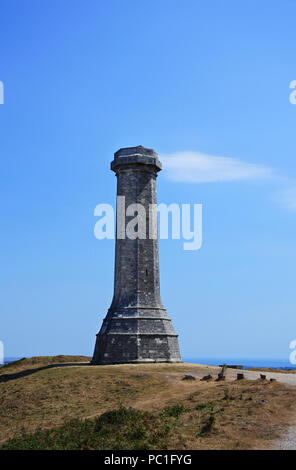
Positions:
(135, 155)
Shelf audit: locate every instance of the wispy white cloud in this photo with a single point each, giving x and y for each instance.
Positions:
(195, 167)
(287, 198)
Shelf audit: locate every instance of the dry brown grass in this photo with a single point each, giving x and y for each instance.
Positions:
(247, 414)
(269, 369)
(41, 361)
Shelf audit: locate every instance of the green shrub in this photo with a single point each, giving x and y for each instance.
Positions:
(203, 406)
(123, 428)
(174, 410)
(208, 426)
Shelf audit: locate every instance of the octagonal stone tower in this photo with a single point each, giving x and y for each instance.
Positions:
(137, 327)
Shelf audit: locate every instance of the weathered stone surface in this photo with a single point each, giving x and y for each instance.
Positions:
(137, 327)
(221, 375)
(207, 377)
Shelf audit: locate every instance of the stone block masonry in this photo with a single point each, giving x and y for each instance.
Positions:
(137, 327)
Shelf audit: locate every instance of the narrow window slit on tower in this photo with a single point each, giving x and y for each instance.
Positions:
(146, 272)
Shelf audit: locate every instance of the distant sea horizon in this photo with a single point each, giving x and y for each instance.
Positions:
(245, 362)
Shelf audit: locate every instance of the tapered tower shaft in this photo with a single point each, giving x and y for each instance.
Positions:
(137, 327)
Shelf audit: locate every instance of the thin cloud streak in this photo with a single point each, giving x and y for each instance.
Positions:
(196, 167)
(287, 198)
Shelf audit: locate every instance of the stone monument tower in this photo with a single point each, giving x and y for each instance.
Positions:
(137, 327)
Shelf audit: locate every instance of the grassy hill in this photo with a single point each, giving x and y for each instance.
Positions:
(62, 402)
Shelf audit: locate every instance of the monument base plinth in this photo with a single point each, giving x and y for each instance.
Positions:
(136, 348)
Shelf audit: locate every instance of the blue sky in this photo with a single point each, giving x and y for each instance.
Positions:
(84, 78)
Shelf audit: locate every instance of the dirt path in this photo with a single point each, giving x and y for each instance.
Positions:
(84, 391)
(198, 370)
(288, 442)
(289, 379)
